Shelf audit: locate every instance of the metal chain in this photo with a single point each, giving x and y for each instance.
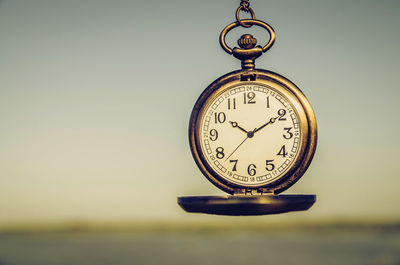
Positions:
(244, 6)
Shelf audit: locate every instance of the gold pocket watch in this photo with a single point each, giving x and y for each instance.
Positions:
(252, 133)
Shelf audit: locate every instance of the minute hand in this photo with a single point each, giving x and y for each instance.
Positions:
(272, 120)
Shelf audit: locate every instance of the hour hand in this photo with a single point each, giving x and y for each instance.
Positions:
(236, 125)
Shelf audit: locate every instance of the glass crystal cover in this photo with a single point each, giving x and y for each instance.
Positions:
(249, 134)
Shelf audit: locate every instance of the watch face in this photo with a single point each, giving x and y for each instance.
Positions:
(249, 134)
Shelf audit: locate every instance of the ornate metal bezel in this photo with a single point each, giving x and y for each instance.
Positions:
(306, 119)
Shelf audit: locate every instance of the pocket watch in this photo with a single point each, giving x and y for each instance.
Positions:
(252, 133)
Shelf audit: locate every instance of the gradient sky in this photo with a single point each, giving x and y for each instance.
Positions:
(95, 98)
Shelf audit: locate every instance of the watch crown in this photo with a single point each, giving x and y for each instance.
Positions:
(247, 41)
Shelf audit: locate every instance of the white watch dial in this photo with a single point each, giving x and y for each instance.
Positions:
(250, 134)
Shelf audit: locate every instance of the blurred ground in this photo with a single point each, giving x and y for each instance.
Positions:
(202, 243)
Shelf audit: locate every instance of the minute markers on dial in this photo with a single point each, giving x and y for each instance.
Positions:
(261, 158)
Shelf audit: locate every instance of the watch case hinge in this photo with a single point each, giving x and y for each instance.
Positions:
(250, 192)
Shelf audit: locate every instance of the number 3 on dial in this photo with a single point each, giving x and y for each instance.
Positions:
(252, 133)
(249, 131)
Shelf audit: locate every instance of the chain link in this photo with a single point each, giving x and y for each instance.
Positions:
(244, 6)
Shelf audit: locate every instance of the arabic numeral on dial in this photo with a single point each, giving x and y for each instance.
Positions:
(289, 134)
(282, 152)
(249, 98)
(281, 114)
(232, 103)
(251, 169)
(269, 166)
(220, 152)
(219, 117)
(213, 135)
(234, 165)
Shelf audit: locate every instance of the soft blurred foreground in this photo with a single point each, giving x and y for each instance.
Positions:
(232, 242)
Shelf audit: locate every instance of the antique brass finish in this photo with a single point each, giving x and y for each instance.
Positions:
(252, 194)
(247, 41)
(250, 22)
(307, 122)
(247, 52)
(244, 6)
(241, 22)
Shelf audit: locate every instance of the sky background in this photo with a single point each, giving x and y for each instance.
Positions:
(95, 99)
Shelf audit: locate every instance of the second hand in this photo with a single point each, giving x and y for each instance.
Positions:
(249, 135)
(237, 148)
